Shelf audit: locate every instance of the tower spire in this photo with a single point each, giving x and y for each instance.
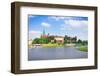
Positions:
(44, 32)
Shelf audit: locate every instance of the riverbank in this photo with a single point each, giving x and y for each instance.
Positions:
(52, 45)
(83, 48)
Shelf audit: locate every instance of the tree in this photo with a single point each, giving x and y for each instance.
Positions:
(54, 41)
(65, 39)
(85, 42)
(35, 41)
(50, 38)
(79, 41)
(74, 39)
(44, 40)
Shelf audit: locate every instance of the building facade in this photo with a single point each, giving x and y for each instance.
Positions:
(60, 39)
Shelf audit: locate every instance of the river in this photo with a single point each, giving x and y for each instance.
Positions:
(55, 53)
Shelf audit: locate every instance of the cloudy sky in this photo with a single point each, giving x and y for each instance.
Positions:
(58, 25)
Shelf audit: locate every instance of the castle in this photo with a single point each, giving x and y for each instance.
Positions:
(59, 38)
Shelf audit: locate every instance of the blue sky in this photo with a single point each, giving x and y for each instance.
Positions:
(58, 25)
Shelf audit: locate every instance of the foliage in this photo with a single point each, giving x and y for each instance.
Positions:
(79, 41)
(84, 42)
(50, 38)
(43, 40)
(40, 41)
(36, 41)
(52, 45)
(67, 40)
(83, 48)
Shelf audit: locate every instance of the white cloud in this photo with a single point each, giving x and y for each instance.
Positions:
(31, 16)
(76, 23)
(45, 24)
(65, 27)
(57, 18)
(34, 34)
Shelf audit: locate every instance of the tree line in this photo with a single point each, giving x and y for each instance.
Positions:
(46, 40)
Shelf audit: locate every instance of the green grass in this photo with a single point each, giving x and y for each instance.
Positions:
(52, 45)
(83, 48)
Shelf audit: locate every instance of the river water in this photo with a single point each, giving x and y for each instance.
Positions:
(55, 53)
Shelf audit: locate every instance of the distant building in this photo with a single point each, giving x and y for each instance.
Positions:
(59, 38)
(30, 42)
(44, 35)
(70, 39)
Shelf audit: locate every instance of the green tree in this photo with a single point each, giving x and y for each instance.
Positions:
(79, 41)
(43, 40)
(54, 41)
(65, 39)
(85, 42)
(35, 41)
(74, 39)
(50, 38)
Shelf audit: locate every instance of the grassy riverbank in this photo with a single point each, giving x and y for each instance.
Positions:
(52, 45)
(80, 47)
(83, 48)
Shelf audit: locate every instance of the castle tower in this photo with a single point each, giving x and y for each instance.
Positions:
(48, 34)
(43, 32)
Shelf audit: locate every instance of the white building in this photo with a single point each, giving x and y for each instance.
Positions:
(59, 39)
(30, 42)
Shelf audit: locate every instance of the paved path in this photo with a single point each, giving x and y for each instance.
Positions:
(55, 53)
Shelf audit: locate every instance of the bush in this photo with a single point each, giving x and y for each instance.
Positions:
(83, 48)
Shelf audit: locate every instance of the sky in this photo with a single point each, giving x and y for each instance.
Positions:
(58, 25)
